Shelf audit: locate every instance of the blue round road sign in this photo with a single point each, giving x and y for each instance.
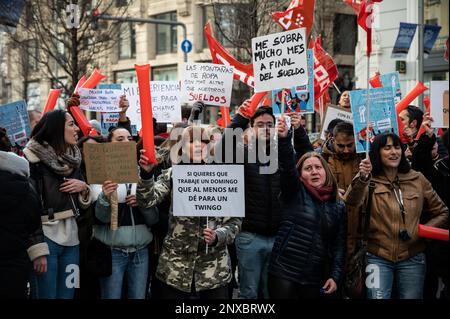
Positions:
(186, 46)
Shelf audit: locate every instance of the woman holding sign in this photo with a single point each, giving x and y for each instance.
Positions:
(400, 197)
(185, 265)
(129, 242)
(55, 171)
(309, 250)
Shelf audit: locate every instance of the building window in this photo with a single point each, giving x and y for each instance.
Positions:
(344, 31)
(127, 41)
(33, 94)
(121, 3)
(165, 73)
(127, 76)
(229, 27)
(166, 35)
(32, 55)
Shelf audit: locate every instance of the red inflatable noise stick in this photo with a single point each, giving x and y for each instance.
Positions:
(375, 81)
(411, 96)
(93, 80)
(433, 233)
(255, 100)
(80, 83)
(143, 76)
(51, 100)
(82, 122)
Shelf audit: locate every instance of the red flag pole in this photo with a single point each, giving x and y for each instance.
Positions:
(368, 107)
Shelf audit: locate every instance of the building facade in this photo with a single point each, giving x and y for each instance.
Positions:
(388, 16)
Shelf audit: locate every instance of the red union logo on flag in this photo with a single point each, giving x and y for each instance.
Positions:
(300, 13)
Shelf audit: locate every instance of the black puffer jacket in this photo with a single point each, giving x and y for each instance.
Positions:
(20, 214)
(262, 206)
(307, 251)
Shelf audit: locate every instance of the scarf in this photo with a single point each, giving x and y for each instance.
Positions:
(323, 194)
(63, 164)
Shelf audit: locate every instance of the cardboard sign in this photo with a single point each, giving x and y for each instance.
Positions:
(100, 100)
(335, 113)
(208, 190)
(208, 83)
(299, 99)
(14, 118)
(279, 60)
(439, 103)
(108, 120)
(383, 117)
(115, 162)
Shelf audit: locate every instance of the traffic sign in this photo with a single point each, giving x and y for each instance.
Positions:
(186, 46)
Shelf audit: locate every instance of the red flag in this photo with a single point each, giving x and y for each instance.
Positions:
(326, 101)
(355, 4)
(375, 82)
(446, 51)
(242, 72)
(299, 14)
(325, 71)
(365, 19)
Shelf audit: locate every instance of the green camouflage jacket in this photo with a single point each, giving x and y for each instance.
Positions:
(183, 256)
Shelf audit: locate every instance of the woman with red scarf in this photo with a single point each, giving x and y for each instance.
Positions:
(308, 255)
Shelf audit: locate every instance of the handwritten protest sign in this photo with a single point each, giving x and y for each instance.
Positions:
(298, 99)
(279, 60)
(208, 190)
(383, 117)
(439, 103)
(208, 83)
(166, 101)
(100, 100)
(115, 162)
(335, 113)
(14, 118)
(108, 120)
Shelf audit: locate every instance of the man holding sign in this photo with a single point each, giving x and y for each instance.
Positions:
(186, 265)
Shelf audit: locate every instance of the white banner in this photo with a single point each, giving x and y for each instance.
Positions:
(208, 190)
(100, 100)
(335, 113)
(208, 83)
(439, 103)
(279, 60)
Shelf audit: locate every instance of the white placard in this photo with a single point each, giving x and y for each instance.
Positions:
(279, 60)
(439, 103)
(166, 103)
(335, 113)
(208, 83)
(208, 190)
(100, 100)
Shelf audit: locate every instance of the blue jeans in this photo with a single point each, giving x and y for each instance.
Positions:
(63, 273)
(135, 264)
(253, 253)
(409, 276)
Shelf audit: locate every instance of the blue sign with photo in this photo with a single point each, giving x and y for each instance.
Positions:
(298, 99)
(383, 117)
(392, 80)
(14, 118)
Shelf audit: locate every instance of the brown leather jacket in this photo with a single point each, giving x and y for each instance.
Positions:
(386, 220)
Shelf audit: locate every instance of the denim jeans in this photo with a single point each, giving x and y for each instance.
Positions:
(63, 274)
(135, 264)
(409, 276)
(253, 252)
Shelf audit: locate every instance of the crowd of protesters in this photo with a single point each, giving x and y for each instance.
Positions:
(302, 219)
